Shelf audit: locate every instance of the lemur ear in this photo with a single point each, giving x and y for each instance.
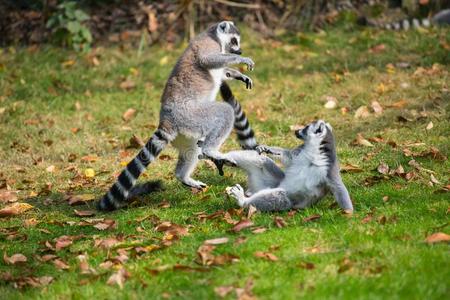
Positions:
(321, 128)
(224, 27)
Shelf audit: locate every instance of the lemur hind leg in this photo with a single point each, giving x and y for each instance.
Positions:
(265, 200)
(219, 125)
(188, 152)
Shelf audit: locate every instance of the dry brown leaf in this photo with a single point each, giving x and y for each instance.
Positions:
(399, 104)
(438, 237)
(279, 222)
(15, 209)
(360, 140)
(136, 142)
(205, 254)
(376, 107)
(60, 264)
(266, 255)
(127, 84)
(383, 168)
(63, 242)
(251, 211)
(222, 291)
(311, 218)
(80, 199)
(119, 277)
(106, 224)
(242, 225)
(84, 213)
(172, 228)
(429, 126)
(377, 48)
(307, 265)
(362, 112)
(349, 168)
(14, 259)
(106, 243)
(8, 196)
(259, 230)
(129, 114)
(217, 241)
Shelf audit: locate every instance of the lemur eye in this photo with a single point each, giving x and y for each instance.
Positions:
(233, 41)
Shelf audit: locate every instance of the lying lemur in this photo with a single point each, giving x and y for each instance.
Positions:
(311, 170)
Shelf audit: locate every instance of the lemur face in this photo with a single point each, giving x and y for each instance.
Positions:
(229, 37)
(317, 130)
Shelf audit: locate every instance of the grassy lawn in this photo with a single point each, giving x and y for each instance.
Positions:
(61, 119)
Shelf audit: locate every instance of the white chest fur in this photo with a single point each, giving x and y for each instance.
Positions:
(217, 75)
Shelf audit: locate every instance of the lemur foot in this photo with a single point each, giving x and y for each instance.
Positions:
(265, 149)
(219, 162)
(192, 183)
(248, 82)
(237, 192)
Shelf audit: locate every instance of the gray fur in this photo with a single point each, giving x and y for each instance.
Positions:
(189, 112)
(311, 170)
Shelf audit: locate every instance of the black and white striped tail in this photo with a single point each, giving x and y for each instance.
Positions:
(245, 134)
(405, 24)
(120, 192)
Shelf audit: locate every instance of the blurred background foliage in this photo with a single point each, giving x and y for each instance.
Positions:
(78, 24)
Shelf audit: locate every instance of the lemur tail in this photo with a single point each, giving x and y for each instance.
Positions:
(122, 190)
(245, 134)
(404, 24)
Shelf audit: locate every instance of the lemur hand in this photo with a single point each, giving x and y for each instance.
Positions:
(249, 62)
(248, 82)
(265, 149)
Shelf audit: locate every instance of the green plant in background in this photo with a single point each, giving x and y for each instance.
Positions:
(68, 28)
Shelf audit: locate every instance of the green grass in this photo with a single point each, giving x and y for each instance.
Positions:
(355, 259)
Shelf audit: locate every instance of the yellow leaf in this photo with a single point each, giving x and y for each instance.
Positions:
(164, 60)
(89, 173)
(15, 209)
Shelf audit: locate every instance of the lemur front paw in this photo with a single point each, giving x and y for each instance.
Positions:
(249, 62)
(264, 149)
(248, 82)
(219, 162)
(236, 192)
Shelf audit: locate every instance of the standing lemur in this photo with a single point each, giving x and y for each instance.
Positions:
(189, 113)
(311, 170)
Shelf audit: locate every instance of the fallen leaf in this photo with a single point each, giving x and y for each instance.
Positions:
(129, 114)
(331, 102)
(106, 224)
(429, 126)
(383, 168)
(136, 142)
(127, 84)
(307, 265)
(311, 218)
(259, 230)
(222, 291)
(50, 169)
(377, 48)
(60, 264)
(172, 228)
(84, 213)
(63, 242)
(360, 140)
(399, 104)
(251, 211)
(217, 241)
(376, 107)
(14, 259)
(80, 199)
(266, 255)
(119, 277)
(15, 209)
(362, 112)
(242, 225)
(437, 237)
(279, 222)
(349, 168)
(8, 196)
(89, 173)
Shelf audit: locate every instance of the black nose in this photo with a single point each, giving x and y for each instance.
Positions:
(238, 52)
(298, 134)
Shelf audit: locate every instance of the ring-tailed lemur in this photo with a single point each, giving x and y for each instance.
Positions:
(439, 19)
(311, 170)
(189, 113)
